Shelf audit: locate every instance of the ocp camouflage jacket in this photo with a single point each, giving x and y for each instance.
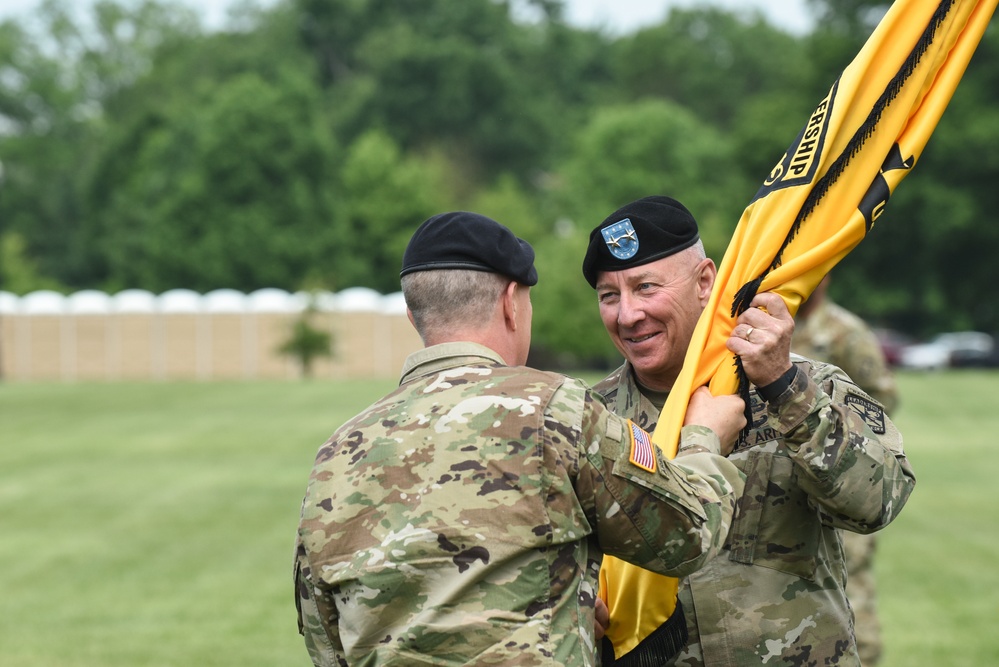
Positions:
(822, 456)
(461, 519)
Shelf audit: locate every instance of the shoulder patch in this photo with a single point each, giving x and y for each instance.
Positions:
(872, 413)
(614, 430)
(642, 454)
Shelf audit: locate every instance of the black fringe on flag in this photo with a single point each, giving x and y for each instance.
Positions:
(860, 137)
(745, 295)
(865, 131)
(659, 648)
(743, 391)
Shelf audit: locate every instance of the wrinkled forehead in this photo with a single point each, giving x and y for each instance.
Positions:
(665, 270)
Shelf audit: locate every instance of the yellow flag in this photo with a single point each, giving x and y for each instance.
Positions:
(817, 204)
(829, 189)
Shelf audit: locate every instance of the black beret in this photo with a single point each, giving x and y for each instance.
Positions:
(638, 233)
(461, 240)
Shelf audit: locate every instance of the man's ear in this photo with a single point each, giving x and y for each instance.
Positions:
(409, 316)
(509, 300)
(706, 274)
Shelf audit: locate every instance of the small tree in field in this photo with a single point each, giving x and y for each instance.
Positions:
(307, 343)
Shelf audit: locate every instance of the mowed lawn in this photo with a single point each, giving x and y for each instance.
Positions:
(153, 524)
(938, 563)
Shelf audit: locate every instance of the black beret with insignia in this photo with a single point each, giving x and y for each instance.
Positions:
(638, 233)
(462, 240)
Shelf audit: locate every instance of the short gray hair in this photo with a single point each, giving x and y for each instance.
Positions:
(452, 299)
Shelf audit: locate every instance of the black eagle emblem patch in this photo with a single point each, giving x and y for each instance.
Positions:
(872, 413)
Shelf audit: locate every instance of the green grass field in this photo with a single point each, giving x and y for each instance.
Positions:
(152, 524)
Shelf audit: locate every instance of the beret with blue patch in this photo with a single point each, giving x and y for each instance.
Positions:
(638, 233)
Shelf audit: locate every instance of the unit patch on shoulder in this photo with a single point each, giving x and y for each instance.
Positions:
(642, 453)
(872, 413)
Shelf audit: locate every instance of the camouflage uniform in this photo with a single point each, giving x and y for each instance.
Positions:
(461, 519)
(776, 594)
(833, 334)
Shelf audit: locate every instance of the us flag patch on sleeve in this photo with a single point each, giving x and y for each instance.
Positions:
(642, 454)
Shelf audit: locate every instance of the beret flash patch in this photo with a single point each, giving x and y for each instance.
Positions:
(621, 239)
(872, 413)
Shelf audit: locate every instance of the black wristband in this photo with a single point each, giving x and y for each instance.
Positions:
(777, 387)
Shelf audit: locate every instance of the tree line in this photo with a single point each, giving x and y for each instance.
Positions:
(299, 146)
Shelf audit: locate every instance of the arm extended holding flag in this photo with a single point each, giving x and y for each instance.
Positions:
(834, 433)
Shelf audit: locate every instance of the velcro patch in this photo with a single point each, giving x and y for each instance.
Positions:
(872, 413)
(642, 454)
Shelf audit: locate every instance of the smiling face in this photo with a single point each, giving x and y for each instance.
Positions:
(650, 312)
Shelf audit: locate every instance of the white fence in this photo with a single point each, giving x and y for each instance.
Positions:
(183, 335)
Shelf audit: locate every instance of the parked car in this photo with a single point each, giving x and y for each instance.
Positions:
(976, 358)
(958, 348)
(892, 343)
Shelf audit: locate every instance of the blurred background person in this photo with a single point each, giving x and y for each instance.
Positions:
(828, 332)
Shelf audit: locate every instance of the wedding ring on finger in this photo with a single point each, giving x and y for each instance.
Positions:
(749, 332)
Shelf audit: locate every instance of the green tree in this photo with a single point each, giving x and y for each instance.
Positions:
(58, 76)
(234, 192)
(513, 205)
(219, 169)
(458, 76)
(655, 147)
(18, 272)
(386, 196)
(856, 18)
(306, 343)
(766, 125)
(304, 141)
(842, 28)
(710, 61)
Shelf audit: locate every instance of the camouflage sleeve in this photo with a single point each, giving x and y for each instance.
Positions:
(698, 439)
(666, 516)
(847, 452)
(322, 640)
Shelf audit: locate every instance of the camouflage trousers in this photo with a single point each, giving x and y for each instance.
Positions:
(860, 590)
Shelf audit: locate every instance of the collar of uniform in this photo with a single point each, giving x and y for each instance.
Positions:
(436, 358)
(646, 411)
